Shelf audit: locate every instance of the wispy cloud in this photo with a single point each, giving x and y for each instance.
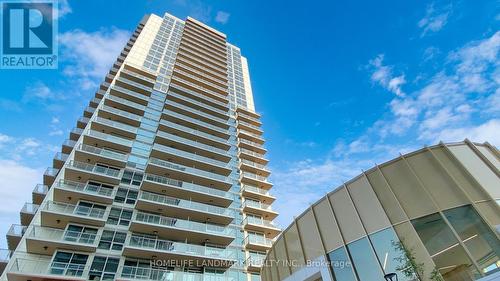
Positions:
(222, 17)
(55, 130)
(383, 75)
(460, 100)
(435, 19)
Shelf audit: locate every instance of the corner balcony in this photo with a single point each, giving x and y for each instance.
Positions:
(49, 176)
(75, 133)
(112, 127)
(254, 167)
(184, 209)
(39, 193)
(244, 134)
(82, 122)
(95, 138)
(46, 240)
(28, 212)
(64, 189)
(109, 112)
(100, 155)
(252, 156)
(261, 225)
(43, 268)
(67, 146)
(59, 160)
(143, 247)
(58, 215)
(254, 192)
(257, 243)
(186, 173)
(14, 235)
(254, 263)
(179, 229)
(79, 171)
(260, 209)
(256, 180)
(185, 190)
(250, 145)
(4, 259)
(240, 124)
(190, 159)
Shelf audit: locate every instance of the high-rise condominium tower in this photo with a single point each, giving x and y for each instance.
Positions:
(164, 176)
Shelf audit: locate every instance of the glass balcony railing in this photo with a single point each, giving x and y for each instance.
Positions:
(130, 93)
(191, 143)
(41, 189)
(202, 89)
(219, 80)
(47, 267)
(85, 188)
(69, 143)
(182, 224)
(158, 274)
(94, 169)
(5, 255)
(60, 235)
(186, 185)
(133, 83)
(178, 247)
(255, 189)
(61, 156)
(188, 155)
(185, 204)
(256, 239)
(197, 78)
(199, 62)
(120, 112)
(109, 137)
(103, 152)
(253, 153)
(253, 164)
(77, 131)
(126, 102)
(257, 136)
(199, 112)
(90, 109)
(254, 176)
(187, 169)
(195, 121)
(192, 131)
(83, 120)
(249, 125)
(51, 172)
(255, 204)
(259, 221)
(142, 77)
(17, 230)
(30, 208)
(251, 143)
(214, 74)
(116, 124)
(77, 210)
(198, 103)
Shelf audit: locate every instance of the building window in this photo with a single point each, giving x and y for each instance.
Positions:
(103, 268)
(126, 196)
(132, 178)
(80, 234)
(67, 263)
(477, 237)
(112, 240)
(90, 209)
(448, 255)
(119, 216)
(364, 261)
(341, 265)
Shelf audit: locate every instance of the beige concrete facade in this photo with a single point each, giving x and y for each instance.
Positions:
(440, 202)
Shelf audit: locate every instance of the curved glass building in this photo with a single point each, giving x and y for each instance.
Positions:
(432, 214)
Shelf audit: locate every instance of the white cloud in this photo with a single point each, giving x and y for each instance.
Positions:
(64, 8)
(383, 75)
(90, 55)
(222, 17)
(434, 19)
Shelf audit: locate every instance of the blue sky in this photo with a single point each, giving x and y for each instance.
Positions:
(341, 85)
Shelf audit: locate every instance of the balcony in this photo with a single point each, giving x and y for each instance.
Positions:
(262, 195)
(59, 160)
(179, 229)
(254, 179)
(95, 102)
(14, 235)
(253, 167)
(185, 190)
(250, 145)
(200, 80)
(57, 214)
(75, 133)
(199, 89)
(28, 212)
(184, 209)
(259, 208)
(89, 111)
(195, 123)
(194, 134)
(188, 63)
(249, 127)
(131, 85)
(257, 243)
(4, 259)
(113, 127)
(190, 159)
(188, 144)
(261, 225)
(159, 274)
(254, 263)
(139, 78)
(129, 95)
(100, 155)
(64, 189)
(39, 193)
(94, 138)
(252, 156)
(222, 114)
(198, 60)
(108, 112)
(83, 172)
(67, 146)
(124, 104)
(82, 122)
(188, 174)
(244, 134)
(50, 175)
(202, 72)
(143, 247)
(46, 240)
(197, 114)
(42, 268)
